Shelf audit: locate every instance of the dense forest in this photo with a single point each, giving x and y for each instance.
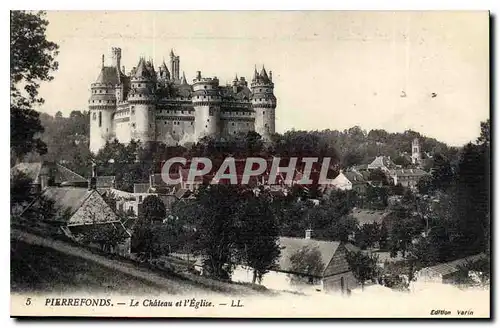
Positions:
(67, 140)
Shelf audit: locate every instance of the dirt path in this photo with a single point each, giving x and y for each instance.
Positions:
(173, 285)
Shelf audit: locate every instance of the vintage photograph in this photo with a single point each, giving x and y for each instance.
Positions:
(251, 164)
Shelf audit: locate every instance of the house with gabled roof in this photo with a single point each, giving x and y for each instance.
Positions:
(332, 275)
(73, 210)
(383, 163)
(45, 173)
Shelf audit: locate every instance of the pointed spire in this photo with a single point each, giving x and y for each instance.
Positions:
(164, 68)
(236, 78)
(102, 61)
(183, 81)
(256, 74)
(263, 74)
(142, 70)
(271, 76)
(172, 53)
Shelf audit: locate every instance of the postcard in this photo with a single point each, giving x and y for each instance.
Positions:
(250, 164)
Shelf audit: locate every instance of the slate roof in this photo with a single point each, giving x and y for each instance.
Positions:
(105, 181)
(444, 269)
(67, 198)
(381, 161)
(409, 172)
(67, 201)
(58, 172)
(110, 75)
(369, 216)
(290, 246)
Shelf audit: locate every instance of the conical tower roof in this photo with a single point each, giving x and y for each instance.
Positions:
(255, 74)
(263, 74)
(142, 71)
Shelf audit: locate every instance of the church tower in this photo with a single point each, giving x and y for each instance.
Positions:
(263, 103)
(102, 105)
(415, 152)
(142, 102)
(206, 101)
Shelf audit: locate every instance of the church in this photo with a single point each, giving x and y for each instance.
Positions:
(149, 104)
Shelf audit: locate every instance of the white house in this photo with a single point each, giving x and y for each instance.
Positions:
(341, 182)
(335, 275)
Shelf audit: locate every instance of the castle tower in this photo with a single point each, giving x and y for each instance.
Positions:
(102, 105)
(206, 101)
(142, 102)
(174, 65)
(117, 57)
(415, 151)
(263, 103)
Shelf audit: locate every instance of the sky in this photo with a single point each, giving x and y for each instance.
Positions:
(425, 71)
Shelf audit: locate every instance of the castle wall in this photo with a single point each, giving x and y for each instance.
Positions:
(100, 128)
(237, 120)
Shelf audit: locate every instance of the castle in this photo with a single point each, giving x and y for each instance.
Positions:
(159, 105)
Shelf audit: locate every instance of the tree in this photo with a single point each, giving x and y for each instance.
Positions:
(403, 161)
(219, 206)
(106, 236)
(20, 188)
(304, 263)
(379, 177)
(153, 209)
(152, 239)
(32, 59)
(363, 267)
(367, 235)
(258, 236)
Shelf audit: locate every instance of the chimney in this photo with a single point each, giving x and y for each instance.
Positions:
(93, 179)
(308, 233)
(117, 56)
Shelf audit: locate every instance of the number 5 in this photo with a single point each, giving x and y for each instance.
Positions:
(28, 301)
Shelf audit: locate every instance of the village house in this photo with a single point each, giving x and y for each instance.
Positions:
(334, 277)
(73, 211)
(383, 163)
(408, 178)
(447, 273)
(133, 202)
(44, 174)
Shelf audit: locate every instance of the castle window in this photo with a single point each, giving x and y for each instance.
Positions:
(99, 101)
(260, 90)
(206, 126)
(191, 123)
(204, 97)
(208, 120)
(205, 86)
(100, 119)
(232, 124)
(263, 112)
(133, 125)
(94, 117)
(139, 85)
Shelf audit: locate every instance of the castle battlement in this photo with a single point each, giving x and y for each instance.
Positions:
(149, 104)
